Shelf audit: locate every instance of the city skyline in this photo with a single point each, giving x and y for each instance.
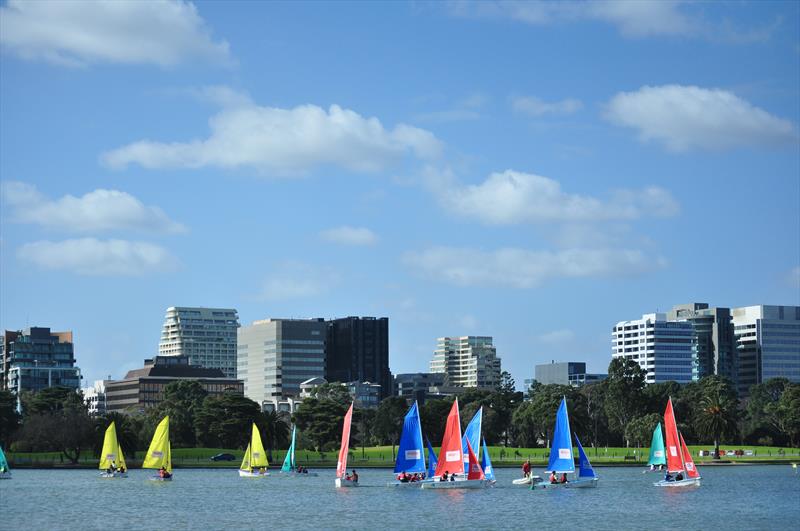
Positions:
(462, 169)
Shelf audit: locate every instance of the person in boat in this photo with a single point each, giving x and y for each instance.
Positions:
(453, 476)
(526, 468)
(355, 476)
(121, 470)
(679, 476)
(668, 476)
(563, 478)
(553, 478)
(444, 476)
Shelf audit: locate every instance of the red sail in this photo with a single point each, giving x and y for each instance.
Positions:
(475, 470)
(691, 470)
(451, 458)
(674, 462)
(341, 465)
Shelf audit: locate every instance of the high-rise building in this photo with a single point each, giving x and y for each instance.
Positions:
(206, 335)
(37, 358)
(662, 348)
(565, 373)
(95, 397)
(767, 343)
(417, 386)
(715, 347)
(276, 355)
(467, 361)
(357, 350)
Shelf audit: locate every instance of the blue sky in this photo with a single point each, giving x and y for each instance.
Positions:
(531, 171)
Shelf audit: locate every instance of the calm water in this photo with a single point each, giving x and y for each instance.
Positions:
(744, 497)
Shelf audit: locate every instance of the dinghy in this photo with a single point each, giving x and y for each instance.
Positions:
(112, 460)
(5, 471)
(657, 458)
(486, 465)
(410, 452)
(254, 464)
(289, 467)
(561, 458)
(343, 479)
(679, 460)
(528, 480)
(159, 454)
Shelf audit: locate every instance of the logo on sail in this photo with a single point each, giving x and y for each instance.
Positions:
(565, 453)
(413, 454)
(256, 455)
(673, 451)
(111, 456)
(658, 453)
(689, 466)
(158, 454)
(453, 455)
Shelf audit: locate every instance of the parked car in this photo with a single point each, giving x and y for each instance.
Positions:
(223, 457)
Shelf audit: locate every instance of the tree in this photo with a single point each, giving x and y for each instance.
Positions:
(624, 393)
(128, 427)
(597, 421)
(48, 400)
(717, 413)
(335, 392)
(224, 421)
(388, 422)
(182, 400)
(275, 431)
(785, 414)
(526, 427)
(640, 430)
(539, 414)
(9, 418)
(503, 402)
(434, 416)
(758, 423)
(321, 420)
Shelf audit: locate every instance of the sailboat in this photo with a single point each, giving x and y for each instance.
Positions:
(472, 435)
(451, 461)
(112, 460)
(159, 454)
(432, 461)
(561, 457)
(486, 465)
(343, 479)
(679, 460)
(5, 472)
(657, 458)
(254, 464)
(410, 452)
(289, 464)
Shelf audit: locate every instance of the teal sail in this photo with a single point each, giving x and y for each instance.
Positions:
(561, 450)
(657, 455)
(288, 463)
(472, 435)
(585, 469)
(3, 462)
(432, 461)
(411, 452)
(486, 463)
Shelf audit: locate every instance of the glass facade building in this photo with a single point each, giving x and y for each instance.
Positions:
(36, 358)
(467, 361)
(206, 335)
(357, 349)
(664, 349)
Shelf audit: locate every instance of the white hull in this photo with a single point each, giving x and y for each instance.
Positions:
(689, 482)
(527, 481)
(409, 484)
(458, 484)
(252, 474)
(343, 483)
(114, 475)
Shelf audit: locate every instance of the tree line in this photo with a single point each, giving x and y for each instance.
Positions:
(619, 411)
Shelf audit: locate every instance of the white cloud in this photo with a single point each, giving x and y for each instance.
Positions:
(350, 236)
(515, 197)
(89, 256)
(689, 117)
(464, 109)
(244, 134)
(522, 268)
(295, 280)
(557, 336)
(100, 210)
(536, 107)
(78, 33)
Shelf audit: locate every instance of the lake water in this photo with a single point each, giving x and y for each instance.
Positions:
(740, 497)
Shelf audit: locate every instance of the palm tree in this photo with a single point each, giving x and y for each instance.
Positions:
(717, 417)
(276, 431)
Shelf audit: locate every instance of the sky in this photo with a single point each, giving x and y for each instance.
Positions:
(531, 171)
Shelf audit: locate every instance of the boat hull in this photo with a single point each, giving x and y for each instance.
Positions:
(345, 483)
(5, 475)
(106, 475)
(527, 481)
(587, 483)
(407, 484)
(251, 474)
(458, 484)
(689, 482)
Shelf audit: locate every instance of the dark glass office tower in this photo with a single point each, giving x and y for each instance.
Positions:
(357, 349)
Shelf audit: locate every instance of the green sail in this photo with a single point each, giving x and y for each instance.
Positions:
(657, 454)
(3, 462)
(288, 463)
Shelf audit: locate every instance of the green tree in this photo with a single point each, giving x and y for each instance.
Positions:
(640, 430)
(48, 400)
(656, 396)
(128, 427)
(537, 417)
(526, 425)
(624, 393)
(503, 401)
(181, 401)
(388, 422)
(224, 421)
(597, 421)
(758, 423)
(9, 418)
(717, 413)
(335, 392)
(785, 414)
(275, 431)
(434, 416)
(321, 420)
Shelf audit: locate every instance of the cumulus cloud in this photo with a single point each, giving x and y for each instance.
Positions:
(79, 33)
(295, 280)
(516, 197)
(346, 235)
(100, 210)
(92, 257)
(522, 268)
(244, 134)
(536, 107)
(689, 117)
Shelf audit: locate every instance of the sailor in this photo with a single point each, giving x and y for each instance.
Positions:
(355, 476)
(444, 476)
(526, 468)
(553, 478)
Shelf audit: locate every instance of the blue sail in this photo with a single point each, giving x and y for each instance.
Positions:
(561, 450)
(288, 463)
(473, 435)
(410, 454)
(432, 461)
(486, 463)
(585, 469)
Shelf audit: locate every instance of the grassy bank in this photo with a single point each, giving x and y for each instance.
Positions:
(382, 456)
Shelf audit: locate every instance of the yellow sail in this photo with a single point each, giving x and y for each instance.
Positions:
(246, 461)
(258, 457)
(158, 454)
(110, 455)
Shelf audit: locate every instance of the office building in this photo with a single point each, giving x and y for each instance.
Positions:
(564, 373)
(417, 385)
(276, 355)
(36, 358)
(144, 388)
(95, 397)
(715, 347)
(767, 344)
(467, 361)
(357, 350)
(664, 349)
(206, 335)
